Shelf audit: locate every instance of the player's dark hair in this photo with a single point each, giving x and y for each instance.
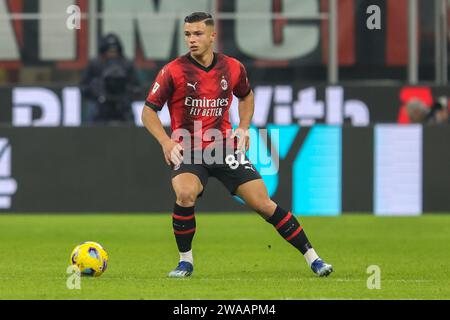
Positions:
(200, 16)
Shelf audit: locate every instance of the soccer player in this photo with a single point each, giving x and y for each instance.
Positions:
(198, 88)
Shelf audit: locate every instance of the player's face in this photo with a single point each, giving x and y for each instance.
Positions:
(199, 37)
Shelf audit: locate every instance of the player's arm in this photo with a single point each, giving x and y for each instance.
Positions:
(246, 109)
(171, 149)
(161, 91)
(243, 91)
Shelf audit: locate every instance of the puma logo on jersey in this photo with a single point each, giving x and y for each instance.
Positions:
(192, 85)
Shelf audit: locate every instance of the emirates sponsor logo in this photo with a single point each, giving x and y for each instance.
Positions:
(206, 103)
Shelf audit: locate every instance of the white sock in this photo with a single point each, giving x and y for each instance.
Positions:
(310, 256)
(187, 256)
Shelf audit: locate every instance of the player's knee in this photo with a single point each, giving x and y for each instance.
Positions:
(186, 197)
(265, 207)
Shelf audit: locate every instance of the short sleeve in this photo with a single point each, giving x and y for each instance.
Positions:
(161, 90)
(242, 87)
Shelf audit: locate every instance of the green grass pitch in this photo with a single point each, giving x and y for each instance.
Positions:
(237, 256)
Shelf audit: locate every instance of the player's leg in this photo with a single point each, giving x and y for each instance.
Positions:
(187, 186)
(255, 195)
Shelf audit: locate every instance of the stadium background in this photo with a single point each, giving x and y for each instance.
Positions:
(355, 159)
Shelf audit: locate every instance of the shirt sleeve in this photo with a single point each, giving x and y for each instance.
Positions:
(161, 90)
(242, 87)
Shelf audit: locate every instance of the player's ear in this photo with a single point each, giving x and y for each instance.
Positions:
(213, 36)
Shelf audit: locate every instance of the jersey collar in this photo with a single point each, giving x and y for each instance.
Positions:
(198, 65)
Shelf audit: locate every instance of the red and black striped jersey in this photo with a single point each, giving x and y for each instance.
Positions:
(199, 97)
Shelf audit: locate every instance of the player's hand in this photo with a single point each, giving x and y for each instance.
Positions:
(243, 136)
(172, 153)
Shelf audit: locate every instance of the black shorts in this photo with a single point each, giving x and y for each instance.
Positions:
(238, 171)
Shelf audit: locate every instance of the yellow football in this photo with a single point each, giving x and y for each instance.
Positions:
(90, 258)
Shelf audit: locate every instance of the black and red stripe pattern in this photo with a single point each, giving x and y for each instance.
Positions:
(194, 92)
(290, 229)
(183, 222)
